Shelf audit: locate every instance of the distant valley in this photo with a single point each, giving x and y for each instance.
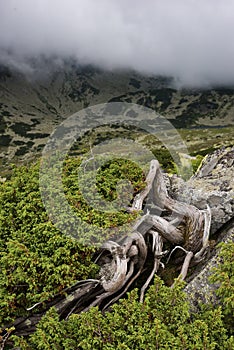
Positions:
(31, 108)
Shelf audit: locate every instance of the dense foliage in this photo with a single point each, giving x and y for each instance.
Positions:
(163, 321)
(224, 276)
(37, 261)
(107, 180)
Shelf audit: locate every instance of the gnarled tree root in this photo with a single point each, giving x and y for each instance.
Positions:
(124, 262)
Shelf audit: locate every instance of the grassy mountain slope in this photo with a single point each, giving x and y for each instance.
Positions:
(30, 108)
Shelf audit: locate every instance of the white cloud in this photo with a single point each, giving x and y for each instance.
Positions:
(188, 39)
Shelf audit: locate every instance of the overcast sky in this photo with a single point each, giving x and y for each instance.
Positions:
(191, 40)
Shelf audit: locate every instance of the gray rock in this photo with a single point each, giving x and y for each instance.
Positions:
(213, 186)
(199, 289)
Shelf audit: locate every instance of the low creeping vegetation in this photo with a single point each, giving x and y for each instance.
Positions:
(38, 262)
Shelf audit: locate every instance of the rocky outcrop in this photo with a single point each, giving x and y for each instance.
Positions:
(199, 289)
(213, 184)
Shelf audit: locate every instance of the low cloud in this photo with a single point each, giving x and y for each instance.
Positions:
(190, 40)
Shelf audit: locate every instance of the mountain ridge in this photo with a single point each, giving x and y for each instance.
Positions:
(31, 107)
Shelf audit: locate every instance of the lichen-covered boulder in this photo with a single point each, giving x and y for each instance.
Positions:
(213, 184)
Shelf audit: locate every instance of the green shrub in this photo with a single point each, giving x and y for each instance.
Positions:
(162, 321)
(224, 276)
(38, 261)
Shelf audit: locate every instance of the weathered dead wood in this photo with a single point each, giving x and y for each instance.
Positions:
(157, 246)
(191, 217)
(140, 197)
(123, 263)
(166, 229)
(205, 239)
(119, 265)
(139, 261)
(185, 266)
